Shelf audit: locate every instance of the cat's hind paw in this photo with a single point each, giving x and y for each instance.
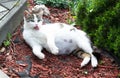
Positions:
(54, 50)
(41, 56)
(85, 61)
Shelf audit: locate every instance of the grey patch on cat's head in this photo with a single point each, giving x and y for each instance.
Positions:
(30, 18)
(27, 13)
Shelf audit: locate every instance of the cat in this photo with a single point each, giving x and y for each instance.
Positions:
(57, 38)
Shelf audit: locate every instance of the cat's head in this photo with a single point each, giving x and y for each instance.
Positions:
(33, 16)
(32, 20)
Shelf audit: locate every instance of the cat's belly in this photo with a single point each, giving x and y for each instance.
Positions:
(65, 44)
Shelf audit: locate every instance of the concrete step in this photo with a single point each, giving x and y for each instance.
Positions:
(12, 11)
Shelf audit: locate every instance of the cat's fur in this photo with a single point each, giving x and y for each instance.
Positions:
(57, 38)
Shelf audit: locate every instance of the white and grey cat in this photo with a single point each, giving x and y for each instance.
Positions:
(57, 38)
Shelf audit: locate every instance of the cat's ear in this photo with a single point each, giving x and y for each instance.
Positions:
(46, 10)
(36, 9)
(27, 13)
(41, 9)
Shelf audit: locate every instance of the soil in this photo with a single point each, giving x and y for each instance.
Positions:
(13, 60)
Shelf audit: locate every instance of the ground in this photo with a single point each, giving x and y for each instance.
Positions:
(13, 59)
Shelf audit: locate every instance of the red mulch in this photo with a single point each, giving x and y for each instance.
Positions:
(52, 66)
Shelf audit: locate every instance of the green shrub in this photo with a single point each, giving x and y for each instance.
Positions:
(73, 6)
(54, 3)
(101, 20)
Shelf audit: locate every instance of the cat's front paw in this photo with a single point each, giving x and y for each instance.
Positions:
(54, 50)
(39, 55)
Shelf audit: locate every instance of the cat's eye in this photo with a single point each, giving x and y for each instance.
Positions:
(38, 20)
(31, 20)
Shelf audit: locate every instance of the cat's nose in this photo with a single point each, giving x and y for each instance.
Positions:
(36, 25)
